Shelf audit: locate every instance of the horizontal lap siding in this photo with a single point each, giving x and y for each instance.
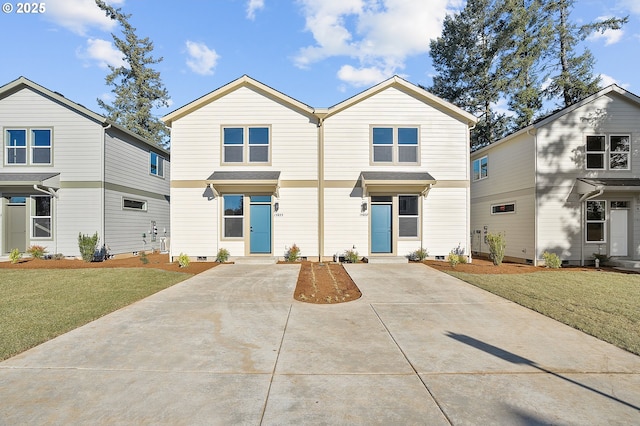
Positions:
(194, 221)
(445, 221)
(78, 210)
(77, 140)
(296, 221)
(344, 224)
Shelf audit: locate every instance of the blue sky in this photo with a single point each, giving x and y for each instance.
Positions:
(320, 52)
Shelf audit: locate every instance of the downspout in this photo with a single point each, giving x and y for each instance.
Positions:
(469, 236)
(588, 196)
(103, 182)
(535, 195)
(320, 187)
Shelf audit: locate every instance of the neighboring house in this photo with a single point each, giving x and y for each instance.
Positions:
(66, 170)
(568, 184)
(255, 171)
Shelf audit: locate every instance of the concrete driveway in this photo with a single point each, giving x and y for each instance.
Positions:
(230, 346)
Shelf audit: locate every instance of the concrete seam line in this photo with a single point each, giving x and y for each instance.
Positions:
(275, 365)
(433, 397)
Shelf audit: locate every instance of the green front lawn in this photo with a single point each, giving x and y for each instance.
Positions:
(603, 304)
(38, 305)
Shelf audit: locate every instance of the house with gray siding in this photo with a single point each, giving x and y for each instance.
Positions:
(383, 173)
(568, 184)
(65, 170)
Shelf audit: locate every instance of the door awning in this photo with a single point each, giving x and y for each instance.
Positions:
(24, 182)
(591, 185)
(241, 182)
(396, 182)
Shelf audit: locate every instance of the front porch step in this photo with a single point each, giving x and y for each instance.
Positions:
(387, 259)
(255, 260)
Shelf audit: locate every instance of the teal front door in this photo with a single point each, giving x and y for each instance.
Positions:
(260, 238)
(381, 228)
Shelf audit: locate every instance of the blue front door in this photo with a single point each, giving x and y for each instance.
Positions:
(260, 239)
(381, 228)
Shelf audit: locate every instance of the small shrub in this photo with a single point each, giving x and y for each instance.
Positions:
(58, 256)
(37, 252)
(551, 260)
(183, 260)
(87, 246)
(351, 256)
(143, 258)
(454, 259)
(293, 254)
(222, 256)
(497, 244)
(419, 255)
(15, 255)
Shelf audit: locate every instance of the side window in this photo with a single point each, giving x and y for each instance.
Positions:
(233, 216)
(41, 217)
(409, 215)
(156, 165)
(480, 168)
(595, 221)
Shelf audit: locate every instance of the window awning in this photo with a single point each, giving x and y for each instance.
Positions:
(24, 182)
(588, 186)
(396, 182)
(245, 182)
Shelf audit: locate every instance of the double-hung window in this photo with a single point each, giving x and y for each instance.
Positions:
(27, 146)
(480, 168)
(233, 216)
(595, 221)
(610, 152)
(247, 144)
(408, 216)
(41, 217)
(394, 145)
(156, 164)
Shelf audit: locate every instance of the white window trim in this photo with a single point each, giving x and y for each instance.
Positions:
(159, 158)
(245, 145)
(33, 216)
(395, 146)
(143, 209)
(604, 222)
(29, 146)
(224, 217)
(479, 161)
(503, 204)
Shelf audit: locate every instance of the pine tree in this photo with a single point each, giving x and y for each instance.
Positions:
(137, 87)
(465, 57)
(575, 79)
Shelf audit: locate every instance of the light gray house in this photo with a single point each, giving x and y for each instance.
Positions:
(568, 184)
(66, 170)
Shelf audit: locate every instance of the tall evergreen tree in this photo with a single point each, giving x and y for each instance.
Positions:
(574, 79)
(137, 87)
(465, 57)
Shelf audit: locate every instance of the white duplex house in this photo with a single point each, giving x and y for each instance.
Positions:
(568, 184)
(255, 171)
(66, 170)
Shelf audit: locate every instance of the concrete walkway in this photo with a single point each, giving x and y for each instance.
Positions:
(231, 347)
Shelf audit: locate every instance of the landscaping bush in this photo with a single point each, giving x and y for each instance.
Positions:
(15, 255)
(87, 246)
(183, 260)
(551, 260)
(497, 245)
(293, 254)
(419, 255)
(351, 256)
(222, 256)
(37, 252)
(454, 259)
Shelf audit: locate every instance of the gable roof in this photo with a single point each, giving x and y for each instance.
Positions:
(244, 81)
(22, 82)
(612, 89)
(405, 86)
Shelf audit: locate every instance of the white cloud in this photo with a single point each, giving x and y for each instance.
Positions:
(103, 52)
(632, 5)
(378, 34)
(79, 16)
(202, 60)
(252, 7)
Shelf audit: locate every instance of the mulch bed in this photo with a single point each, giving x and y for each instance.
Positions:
(325, 283)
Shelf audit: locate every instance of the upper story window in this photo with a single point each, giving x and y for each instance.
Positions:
(394, 145)
(610, 152)
(246, 144)
(480, 168)
(156, 166)
(27, 146)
